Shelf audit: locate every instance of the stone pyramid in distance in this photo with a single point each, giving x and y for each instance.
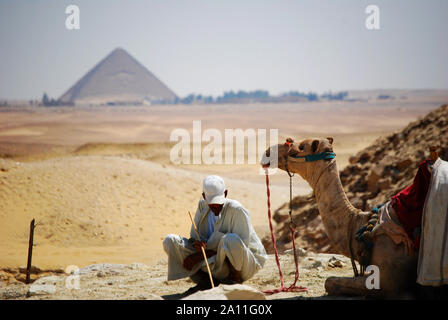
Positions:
(118, 79)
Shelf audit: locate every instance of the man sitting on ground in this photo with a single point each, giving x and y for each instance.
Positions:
(233, 249)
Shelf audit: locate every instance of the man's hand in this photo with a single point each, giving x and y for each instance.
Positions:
(192, 260)
(196, 257)
(198, 244)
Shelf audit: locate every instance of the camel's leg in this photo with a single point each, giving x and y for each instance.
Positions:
(398, 271)
(348, 286)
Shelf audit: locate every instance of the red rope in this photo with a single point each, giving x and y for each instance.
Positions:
(293, 287)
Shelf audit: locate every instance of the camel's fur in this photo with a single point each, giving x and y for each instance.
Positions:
(397, 270)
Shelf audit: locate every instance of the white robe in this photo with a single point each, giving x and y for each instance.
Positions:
(433, 255)
(233, 237)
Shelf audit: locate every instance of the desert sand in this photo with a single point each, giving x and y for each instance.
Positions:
(100, 184)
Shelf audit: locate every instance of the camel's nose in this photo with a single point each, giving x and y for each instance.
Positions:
(265, 160)
(265, 165)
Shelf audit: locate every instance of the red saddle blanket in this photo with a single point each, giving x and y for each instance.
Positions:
(409, 202)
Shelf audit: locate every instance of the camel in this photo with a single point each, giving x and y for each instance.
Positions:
(397, 270)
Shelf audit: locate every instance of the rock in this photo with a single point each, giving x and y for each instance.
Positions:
(33, 269)
(51, 280)
(372, 181)
(312, 262)
(22, 277)
(138, 266)
(5, 277)
(300, 252)
(401, 165)
(335, 263)
(357, 202)
(364, 157)
(41, 289)
(14, 291)
(228, 292)
(281, 215)
(353, 160)
(384, 184)
(319, 260)
(151, 296)
(360, 185)
(107, 268)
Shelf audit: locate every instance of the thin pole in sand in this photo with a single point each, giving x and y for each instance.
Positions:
(30, 252)
(203, 251)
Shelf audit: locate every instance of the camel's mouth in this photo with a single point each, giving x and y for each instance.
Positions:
(265, 165)
(276, 154)
(265, 161)
(292, 153)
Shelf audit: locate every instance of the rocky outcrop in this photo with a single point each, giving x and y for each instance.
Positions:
(13, 275)
(372, 177)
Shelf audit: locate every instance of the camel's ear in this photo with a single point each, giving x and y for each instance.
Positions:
(330, 139)
(314, 145)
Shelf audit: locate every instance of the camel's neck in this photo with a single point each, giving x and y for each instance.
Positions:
(334, 207)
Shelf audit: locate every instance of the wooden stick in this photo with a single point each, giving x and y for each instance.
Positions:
(203, 251)
(30, 252)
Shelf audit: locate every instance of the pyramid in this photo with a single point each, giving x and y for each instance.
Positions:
(118, 79)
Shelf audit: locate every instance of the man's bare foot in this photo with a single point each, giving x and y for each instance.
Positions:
(203, 283)
(190, 291)
(234, 275)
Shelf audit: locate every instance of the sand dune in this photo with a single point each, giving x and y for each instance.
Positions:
(104, 208)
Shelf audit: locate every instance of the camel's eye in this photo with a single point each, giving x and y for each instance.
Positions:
(301, 147)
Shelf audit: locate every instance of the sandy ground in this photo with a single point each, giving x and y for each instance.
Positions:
(138, 281)
(100, 184)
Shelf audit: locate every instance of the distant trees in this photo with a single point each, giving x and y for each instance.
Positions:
(45, 99)
(336, 96)
(260, 96)
(230, 96)
(240, 96)
(311, 96)
(47, 102)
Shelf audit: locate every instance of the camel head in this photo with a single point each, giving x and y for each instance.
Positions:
(307, 158)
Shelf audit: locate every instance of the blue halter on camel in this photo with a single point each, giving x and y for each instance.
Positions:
(316, 156)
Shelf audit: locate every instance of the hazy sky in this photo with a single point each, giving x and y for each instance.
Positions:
(210, 46)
